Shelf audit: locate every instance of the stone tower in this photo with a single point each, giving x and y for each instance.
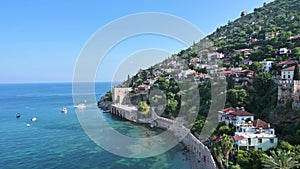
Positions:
(289, 90)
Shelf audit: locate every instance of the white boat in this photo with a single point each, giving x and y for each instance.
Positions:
(28, 125)
(33, 119)
(80, 106)
(64, 110)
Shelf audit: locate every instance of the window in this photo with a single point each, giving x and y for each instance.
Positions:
(284, 76)
(259, 140)
(289, 76)
(271, 140)
(259, 148)
(243, 147)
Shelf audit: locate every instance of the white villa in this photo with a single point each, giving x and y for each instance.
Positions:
(288, 73)
(267, 65)
(257, 135)
(250, 133)
(235, 116)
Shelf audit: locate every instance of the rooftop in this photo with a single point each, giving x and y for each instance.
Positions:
(229, 109)
(255, 135)
(288, 62)
(290, 68)
(241, 113)
(260, 124)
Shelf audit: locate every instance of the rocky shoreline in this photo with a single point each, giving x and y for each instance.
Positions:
(104, 105)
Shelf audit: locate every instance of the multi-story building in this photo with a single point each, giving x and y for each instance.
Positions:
(257, 135)
(250, 133)
(235, 116)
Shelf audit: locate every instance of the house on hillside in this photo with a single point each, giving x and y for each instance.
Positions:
(247, 62)
(267, 65)
(244, 52)
(250, 133)
(195, 60)
(201, 77)
(214, 56)
(293, 39)
(270, 35)
(286, 64)
(252, 40)
(256, 135)
(288, 73)
(142, 88)
(284, 51)
(236, 116)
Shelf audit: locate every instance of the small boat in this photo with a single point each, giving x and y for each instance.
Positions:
(80, 106)
(33, 119)
(28, 125)
(64, 110)
(18, 115)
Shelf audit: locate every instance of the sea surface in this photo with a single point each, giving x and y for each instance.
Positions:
(56, 140)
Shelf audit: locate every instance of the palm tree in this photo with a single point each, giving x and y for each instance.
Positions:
(280, 160)
(218, 154)
(222, 148)
(227, 144)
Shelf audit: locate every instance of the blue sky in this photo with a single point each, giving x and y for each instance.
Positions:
(41, 40)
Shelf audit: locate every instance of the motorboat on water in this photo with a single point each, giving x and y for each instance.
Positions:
(80, 106)
(64, 110)
(33, 119)
(18, 115)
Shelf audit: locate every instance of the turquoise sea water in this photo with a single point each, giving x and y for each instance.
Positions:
(56, 140)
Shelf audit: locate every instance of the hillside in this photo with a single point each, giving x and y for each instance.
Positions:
(252, 37)
(248, 53)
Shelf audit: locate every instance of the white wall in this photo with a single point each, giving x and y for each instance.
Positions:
(287, 75)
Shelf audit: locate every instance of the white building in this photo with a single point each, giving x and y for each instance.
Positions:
(215, 55)
(235, 116)
(288, 73)
(267, 65)
(283, 51)
(195, 60)
(257, 135)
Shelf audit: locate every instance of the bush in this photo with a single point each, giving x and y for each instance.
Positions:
(144, 107)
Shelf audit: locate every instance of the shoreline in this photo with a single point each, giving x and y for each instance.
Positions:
(193, 149)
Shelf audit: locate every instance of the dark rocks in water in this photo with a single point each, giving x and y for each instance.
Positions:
(104, 105)
(18, 115)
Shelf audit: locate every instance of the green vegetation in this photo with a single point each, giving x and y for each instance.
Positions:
(262, 33)
(222, 149)
(144, 107)
(296, 73)
(108, 96)
(280, 160)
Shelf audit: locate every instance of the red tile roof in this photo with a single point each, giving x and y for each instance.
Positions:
(294, 37)
(229, 109)
(241, 113)
(143, 85)
(260, 124)
(238, 137)
(288, 62)
(289, 68)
